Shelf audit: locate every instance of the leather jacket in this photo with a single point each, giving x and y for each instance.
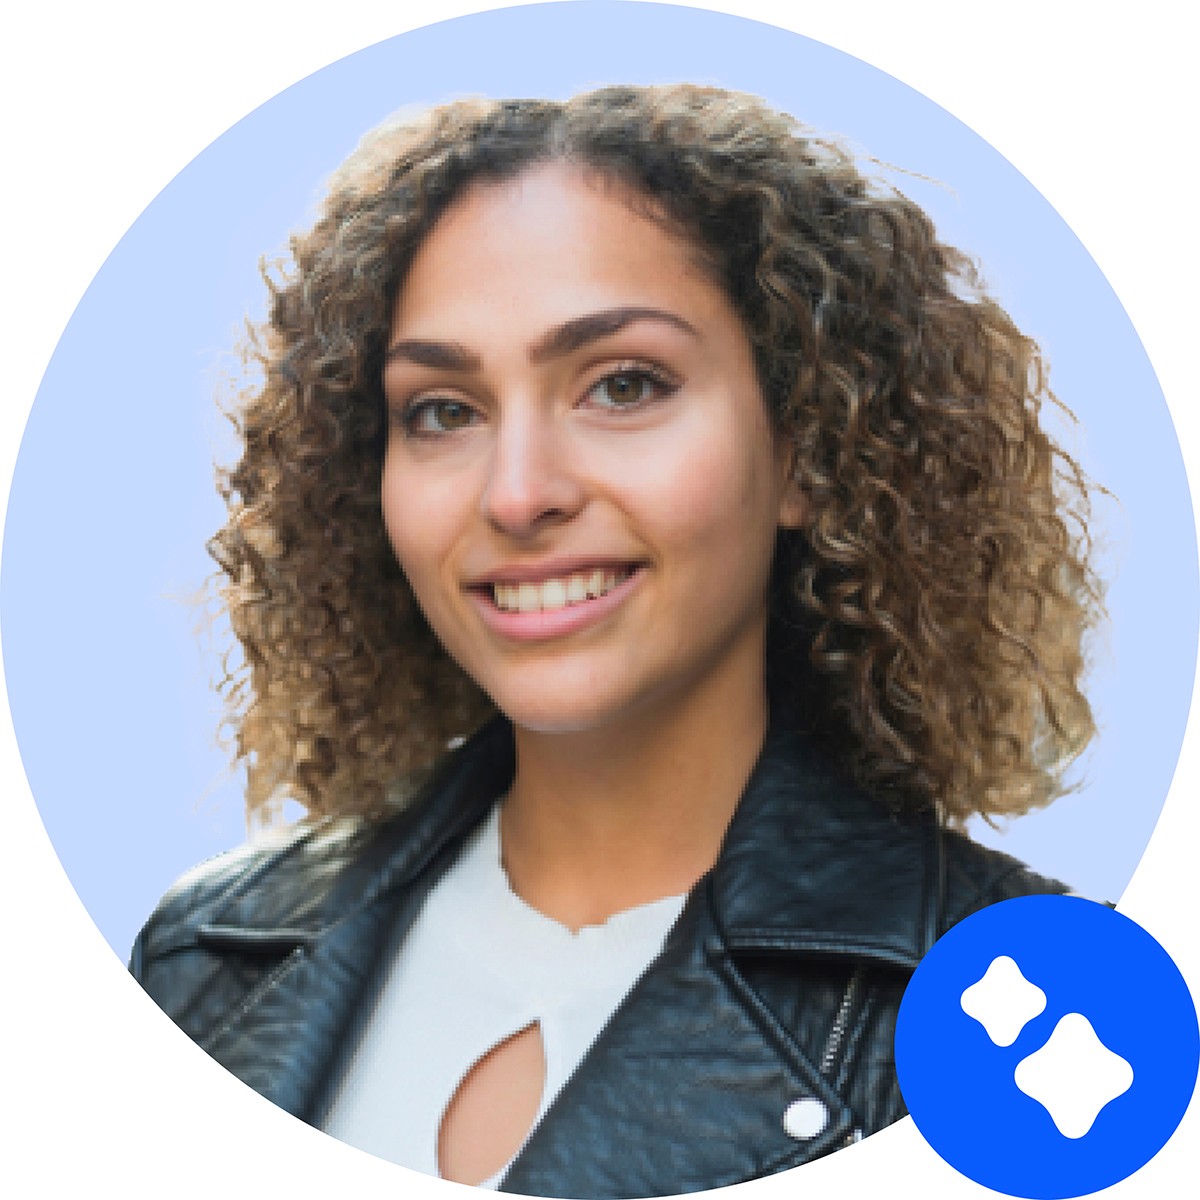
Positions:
(779, 983)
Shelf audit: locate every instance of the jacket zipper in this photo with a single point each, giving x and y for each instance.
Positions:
(838, 1032)
(837, 1035)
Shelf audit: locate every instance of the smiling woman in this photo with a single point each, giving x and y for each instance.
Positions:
(579, 449)
(643, 451)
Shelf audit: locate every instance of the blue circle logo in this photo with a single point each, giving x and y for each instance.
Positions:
(1047, 1047)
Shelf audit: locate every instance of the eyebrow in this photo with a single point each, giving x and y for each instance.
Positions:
(564, 339)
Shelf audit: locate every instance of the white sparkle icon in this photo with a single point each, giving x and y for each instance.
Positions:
(1074, 1075)
(1003, 1001)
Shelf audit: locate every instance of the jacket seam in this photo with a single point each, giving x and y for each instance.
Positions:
(935, 890)
(253, 996)
(839, 946)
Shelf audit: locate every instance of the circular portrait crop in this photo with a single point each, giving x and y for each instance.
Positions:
(679, 543)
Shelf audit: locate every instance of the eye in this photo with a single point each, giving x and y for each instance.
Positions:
(628, 388)
(431, 418)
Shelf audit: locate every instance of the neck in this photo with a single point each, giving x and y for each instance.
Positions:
(603, 820)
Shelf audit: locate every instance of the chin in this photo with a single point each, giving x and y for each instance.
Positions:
(561, 711)
(560, 719)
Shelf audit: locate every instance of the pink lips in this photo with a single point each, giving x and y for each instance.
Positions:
(542, 626)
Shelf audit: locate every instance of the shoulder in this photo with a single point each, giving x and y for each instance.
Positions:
(270, 873)
(974, 876)
(225, 926)
(290, 885)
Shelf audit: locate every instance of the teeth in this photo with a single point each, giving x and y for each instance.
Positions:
(554, 594)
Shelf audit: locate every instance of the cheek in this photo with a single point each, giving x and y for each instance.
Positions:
(715, 495)
(416, 519)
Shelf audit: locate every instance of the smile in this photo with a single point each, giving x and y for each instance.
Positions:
(550, 595)
(543, 609)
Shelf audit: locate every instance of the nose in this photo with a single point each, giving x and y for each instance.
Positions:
(531, 482)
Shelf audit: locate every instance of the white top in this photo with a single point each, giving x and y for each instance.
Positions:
(478, 966)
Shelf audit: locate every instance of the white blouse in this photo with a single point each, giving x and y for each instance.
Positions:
(478, 966)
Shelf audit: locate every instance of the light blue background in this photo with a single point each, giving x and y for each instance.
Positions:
(112, 499)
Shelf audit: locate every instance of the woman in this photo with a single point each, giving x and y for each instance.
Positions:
(642, 444)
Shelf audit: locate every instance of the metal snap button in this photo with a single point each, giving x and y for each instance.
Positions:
(805, 1118)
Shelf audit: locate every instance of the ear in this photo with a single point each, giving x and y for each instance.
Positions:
(793, 500)
(793, 506)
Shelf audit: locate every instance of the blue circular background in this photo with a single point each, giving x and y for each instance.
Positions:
(958, 1085)
(112, 498)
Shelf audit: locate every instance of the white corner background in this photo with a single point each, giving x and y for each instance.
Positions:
(105, 102)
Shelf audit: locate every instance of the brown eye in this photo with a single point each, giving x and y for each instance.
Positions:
(627, 389)
(432, 417)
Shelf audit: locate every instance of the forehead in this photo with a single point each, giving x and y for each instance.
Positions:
(555, 240)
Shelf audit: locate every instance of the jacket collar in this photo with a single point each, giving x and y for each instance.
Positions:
(811, 864)
(801, 832)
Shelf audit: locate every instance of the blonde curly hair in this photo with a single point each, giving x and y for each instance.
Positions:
(929, 619)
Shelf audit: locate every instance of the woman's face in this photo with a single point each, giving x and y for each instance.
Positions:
(580, 482)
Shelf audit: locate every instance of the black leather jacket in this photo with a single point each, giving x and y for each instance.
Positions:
(780, 981)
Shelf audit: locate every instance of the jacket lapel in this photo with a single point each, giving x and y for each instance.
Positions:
(684, 1090)
(340, 899)
(284, 1037)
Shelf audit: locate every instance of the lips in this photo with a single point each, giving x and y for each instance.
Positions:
(558, 592)
(554, 599)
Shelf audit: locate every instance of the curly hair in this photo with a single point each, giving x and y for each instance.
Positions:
(931, 614)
